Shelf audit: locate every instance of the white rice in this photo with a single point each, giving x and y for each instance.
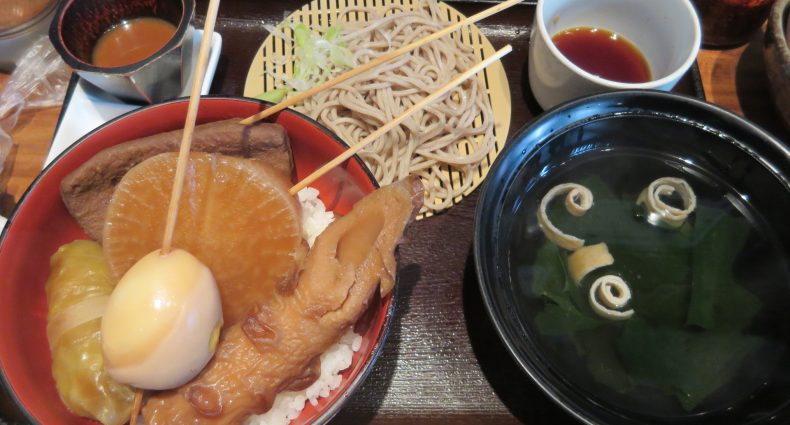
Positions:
(288, 405)
(315, 217)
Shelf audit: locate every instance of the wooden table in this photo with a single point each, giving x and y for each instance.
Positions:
(443, 362)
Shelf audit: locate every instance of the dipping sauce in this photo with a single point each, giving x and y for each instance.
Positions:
(603, 53)
(132, 41)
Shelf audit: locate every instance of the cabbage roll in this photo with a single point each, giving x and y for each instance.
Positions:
(78, 288)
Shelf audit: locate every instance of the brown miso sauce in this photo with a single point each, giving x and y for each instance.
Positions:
(132, 41)
(603, 53)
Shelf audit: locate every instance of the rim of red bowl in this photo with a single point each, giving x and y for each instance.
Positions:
(362, 363)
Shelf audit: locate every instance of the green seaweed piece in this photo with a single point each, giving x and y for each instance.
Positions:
(648, 256)
(562, 320)
(603, 361)
(719, 238)
(565, 311)
(678, 277)
(645, 256)
(735, 308)
(664, 304)
(688, 364)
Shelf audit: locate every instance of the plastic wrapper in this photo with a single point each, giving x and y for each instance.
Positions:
(79, 281)
(38, 81)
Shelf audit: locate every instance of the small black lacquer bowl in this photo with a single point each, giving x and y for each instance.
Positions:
(78, 24)
(623, 141)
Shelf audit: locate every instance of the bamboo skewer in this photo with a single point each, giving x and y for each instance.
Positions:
(299, 97)
(183, 155)
(138, 403)
(386, 127)
(189, 125)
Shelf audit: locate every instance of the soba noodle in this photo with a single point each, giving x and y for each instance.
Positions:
(445, 142)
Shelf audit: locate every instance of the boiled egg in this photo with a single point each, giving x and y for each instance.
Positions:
(162, 322)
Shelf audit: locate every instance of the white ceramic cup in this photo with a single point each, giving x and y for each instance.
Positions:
(667, 32)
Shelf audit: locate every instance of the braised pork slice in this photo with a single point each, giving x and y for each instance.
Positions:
(274, 346)
(87, 190)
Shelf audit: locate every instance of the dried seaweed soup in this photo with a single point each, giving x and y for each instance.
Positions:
(707, 296)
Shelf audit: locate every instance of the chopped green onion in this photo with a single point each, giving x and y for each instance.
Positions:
(318, 55)
(274, 96)
(302, 34)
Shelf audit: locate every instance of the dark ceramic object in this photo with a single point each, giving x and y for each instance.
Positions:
(777, 58)
(78, 24)
(731, 23)
(656, 133)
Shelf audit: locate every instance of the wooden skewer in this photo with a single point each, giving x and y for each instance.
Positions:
(138, 403)
(183, 155)
(376, 62)
(189, 125)
(387, 127)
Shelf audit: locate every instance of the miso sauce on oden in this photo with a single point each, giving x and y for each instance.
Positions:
(603, 53)
(131, 41)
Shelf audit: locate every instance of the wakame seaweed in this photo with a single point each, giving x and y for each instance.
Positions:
(717, 301)
(566, 312)
(685, 363)
(685, 337)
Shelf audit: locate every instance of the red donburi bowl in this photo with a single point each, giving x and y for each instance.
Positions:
(40, 224)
